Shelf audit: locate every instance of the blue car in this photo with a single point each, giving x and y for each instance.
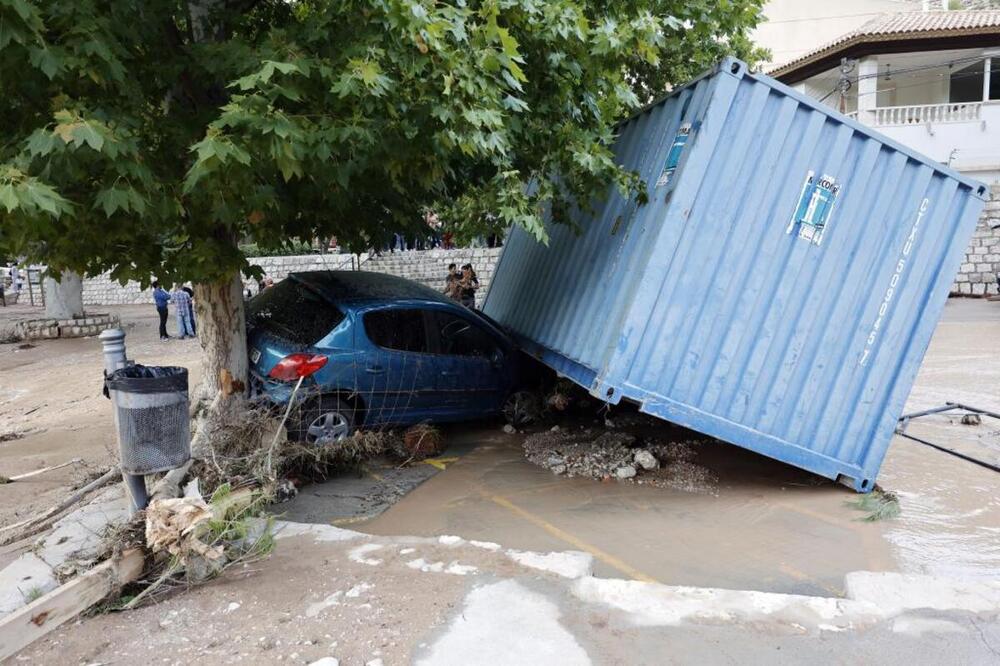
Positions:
(370, 350)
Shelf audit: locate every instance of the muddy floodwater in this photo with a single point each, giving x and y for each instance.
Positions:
(949, 523)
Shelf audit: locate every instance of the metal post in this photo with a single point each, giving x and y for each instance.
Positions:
(987, 70)
(113, 343)
(135, 485)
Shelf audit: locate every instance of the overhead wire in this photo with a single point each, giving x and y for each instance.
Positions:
(910, 70)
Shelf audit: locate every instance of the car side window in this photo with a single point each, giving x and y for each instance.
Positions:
(460, 337)
(401, 330)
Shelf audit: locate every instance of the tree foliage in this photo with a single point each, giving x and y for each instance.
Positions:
(149, 137)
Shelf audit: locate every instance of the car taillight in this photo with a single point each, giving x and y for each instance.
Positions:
(294, 366)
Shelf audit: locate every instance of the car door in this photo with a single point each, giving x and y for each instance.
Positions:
(395, 369)
(471, 374)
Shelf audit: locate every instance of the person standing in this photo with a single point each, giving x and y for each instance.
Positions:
(451, 288)
(182, 305)
(190, 292)
(161, 298)
(468, 284)
(15, 278)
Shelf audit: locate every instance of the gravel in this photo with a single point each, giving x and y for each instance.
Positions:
(603, 454)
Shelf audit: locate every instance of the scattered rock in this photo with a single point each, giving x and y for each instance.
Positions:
(285, 491)
(326, 661)
(646, 460)
(592, 453)
(509, 429)
(599, 454)
(554, 428)
(686, 477)
(971, 419)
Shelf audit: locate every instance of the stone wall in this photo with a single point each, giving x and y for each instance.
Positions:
(79, 327)
(977, 275)
(102, 290)
(428, 267)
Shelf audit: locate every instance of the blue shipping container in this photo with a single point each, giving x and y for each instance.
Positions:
(779, 289)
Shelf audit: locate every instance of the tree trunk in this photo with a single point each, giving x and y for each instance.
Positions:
(221, 323)
(63, 298)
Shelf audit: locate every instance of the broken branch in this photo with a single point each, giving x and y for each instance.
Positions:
(28, 475)
(42, 521)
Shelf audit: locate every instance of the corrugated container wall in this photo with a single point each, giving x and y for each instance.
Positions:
(779, 289)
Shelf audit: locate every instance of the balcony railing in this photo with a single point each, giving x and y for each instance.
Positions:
(921, 114)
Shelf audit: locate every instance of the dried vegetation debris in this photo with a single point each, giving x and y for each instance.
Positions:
(614, 454)
(250, 446)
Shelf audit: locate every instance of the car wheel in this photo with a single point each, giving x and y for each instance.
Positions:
(522, 408)
(322, 421)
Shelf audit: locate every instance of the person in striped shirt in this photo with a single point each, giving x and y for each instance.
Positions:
(182, 303)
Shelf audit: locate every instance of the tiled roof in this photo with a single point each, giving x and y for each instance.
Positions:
(902, 25)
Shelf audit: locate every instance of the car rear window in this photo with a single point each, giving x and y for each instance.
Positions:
(294, 312)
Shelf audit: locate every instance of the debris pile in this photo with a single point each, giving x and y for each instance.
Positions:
(172, 525)
(591, 453)
(601, 454)
(421, 441)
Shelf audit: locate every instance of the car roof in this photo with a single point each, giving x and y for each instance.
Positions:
(358, 286)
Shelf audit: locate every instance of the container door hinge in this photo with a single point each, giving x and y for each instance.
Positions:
(816, 201)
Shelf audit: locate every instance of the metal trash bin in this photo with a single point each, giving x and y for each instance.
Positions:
(151, 413)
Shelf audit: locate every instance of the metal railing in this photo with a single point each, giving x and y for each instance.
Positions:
(920, 114)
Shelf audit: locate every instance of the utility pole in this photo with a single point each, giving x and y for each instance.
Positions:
(844, 84)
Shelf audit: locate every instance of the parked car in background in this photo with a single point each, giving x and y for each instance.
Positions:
(374, 350)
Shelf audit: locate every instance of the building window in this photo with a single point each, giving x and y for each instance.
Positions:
(967, 83)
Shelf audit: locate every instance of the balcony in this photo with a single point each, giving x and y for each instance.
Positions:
(921, 114)
(964, 135)
(942, 103)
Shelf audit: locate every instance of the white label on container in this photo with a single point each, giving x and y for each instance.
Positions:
(891, 289)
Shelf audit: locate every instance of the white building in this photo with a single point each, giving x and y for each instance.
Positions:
(796, 27)
(930, 80)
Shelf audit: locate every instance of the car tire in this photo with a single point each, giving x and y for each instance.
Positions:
(322, 421)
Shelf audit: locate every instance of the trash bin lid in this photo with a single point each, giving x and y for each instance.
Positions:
(148, 379)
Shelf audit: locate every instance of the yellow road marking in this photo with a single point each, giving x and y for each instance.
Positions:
(350, 521)
(800, 575)
(440, 463)
(563, 535)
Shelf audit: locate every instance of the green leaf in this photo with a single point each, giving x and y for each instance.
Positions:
(44, 59)
(284, 67)
(85, 133)
(508, 43)
(8, 197)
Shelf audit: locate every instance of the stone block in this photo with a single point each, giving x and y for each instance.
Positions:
(979, 289)
(962, 277)
(966, 268)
